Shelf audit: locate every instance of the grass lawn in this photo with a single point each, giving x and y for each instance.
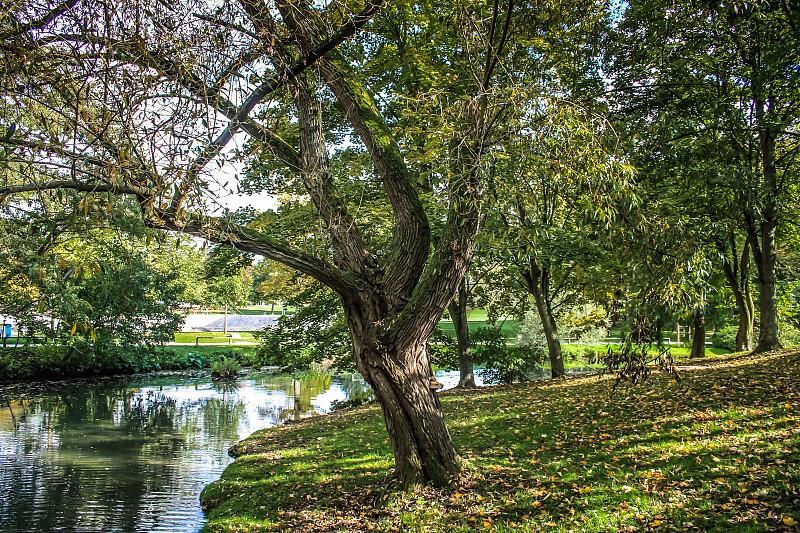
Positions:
(216, 336)
(243, 353)
(509, 327)
(717, 451)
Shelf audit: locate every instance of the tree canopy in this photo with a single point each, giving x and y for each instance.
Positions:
(389, 133)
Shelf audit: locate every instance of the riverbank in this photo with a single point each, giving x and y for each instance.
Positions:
(719, 450)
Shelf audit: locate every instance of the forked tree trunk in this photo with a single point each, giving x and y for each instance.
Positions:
(399, 373)
(737, 272)
(698, 333)
(458, 312)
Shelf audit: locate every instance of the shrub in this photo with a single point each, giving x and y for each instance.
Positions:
(443, 350)
(503, 363)
(315, 333)
(725, 338)
(225, 367)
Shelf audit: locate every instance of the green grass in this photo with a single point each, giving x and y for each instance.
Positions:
(718, 451)
(509, 327)
(243, 353)
(191, 336)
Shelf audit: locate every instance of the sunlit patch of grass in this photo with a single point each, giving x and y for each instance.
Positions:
(718, 451)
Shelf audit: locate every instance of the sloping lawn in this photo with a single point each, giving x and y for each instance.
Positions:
(717, 451)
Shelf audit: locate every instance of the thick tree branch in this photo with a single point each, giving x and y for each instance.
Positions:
(221, 231)
(139, 192)
(411, 232)
(19, 29)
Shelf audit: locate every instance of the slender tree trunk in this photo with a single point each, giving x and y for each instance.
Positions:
(744, 334)
(537, 282)
(751, 313)
(737, 272)
(458, 312)
(699, 333)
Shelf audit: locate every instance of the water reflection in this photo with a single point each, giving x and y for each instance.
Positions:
(133, 455)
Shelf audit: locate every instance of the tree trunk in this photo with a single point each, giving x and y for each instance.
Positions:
(399, 373)
(744, 335)
(737, 272)
(699, 333)
(537, 282)
(766, 256)
(458, 312)
(768, 338)
(751, 316)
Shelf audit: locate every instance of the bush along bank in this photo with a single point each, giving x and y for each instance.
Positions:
(55, 361)
(718, 450)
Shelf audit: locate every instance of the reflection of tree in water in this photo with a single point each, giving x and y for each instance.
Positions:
(354, 386)
(101, 441)
(299, 394)
(94, 455)
(225, 386)
(147, 414)
(221, 417)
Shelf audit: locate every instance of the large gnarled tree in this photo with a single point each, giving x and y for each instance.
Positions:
(141, 98)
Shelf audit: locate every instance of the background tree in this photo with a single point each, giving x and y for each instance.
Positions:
(556, 194)
(93, 291)
(722, 77)
(228, 279)
(316, 333)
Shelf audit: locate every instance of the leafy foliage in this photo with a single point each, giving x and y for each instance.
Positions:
(631, 362)
(503, 363)
(725, 337)
(225, 367)
(317, 332)
(442, 350)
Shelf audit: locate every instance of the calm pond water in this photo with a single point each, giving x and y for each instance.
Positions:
(132, 454)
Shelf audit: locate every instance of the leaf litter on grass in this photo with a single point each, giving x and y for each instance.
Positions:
(718, 451)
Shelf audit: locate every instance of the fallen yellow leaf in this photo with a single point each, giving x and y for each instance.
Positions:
(789, 521)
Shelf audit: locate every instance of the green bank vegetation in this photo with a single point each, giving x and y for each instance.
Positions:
(54, 361)
(717, 451)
